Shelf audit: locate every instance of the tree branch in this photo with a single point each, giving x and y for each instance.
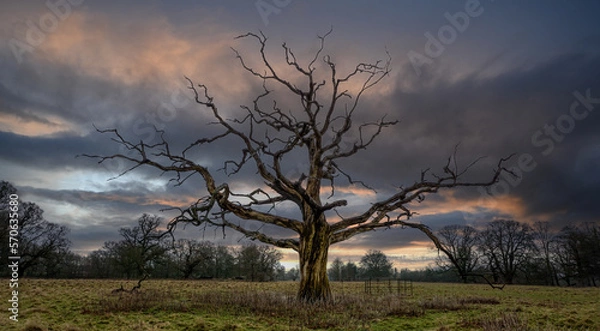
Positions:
(417, 191)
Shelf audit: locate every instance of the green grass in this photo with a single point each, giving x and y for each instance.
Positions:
(77, 305)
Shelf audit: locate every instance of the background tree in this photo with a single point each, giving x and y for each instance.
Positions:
(141, 248)
(271, 141)
(506, 245)
(224, 262)
(293, 274)
(431, 274)
(375, 264)
(578, 253)
(122, 259)
(280, 273)
(60, 264)
(191, 255)
(259, 263)
(335, 270)
(98, 264)
(40, 241)
(544, 239)
(460, 244)
(350, 271)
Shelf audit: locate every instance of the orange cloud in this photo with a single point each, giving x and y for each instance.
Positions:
(143, 200)
(143, 52)
(31, 128)
(506, 204)
(355, 190)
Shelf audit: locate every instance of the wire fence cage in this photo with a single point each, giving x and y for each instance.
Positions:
(389, 286)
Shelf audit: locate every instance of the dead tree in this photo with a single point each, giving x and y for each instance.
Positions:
(458, 245)
(270, 137)
(507, 246)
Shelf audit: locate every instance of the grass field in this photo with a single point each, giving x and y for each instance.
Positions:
(71, 305)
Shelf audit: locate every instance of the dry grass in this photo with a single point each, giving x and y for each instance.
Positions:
(50, 305)
(350, 311)
(455, 303)
(347, 312)
(503, 321)
(34, 326)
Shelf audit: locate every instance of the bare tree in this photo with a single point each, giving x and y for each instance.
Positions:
(460, 248)
(142, 247)
(271, 138)
(507, 247)
(190, 255)
(39, 239)
(578, 254)
(544, 239)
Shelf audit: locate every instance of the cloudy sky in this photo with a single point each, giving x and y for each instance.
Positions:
(498, 77)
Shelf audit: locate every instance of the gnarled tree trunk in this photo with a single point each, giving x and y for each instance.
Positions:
(314, 247)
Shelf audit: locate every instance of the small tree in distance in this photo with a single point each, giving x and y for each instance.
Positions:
(335, 270)
(272, 139)
(142, 247)
(258, 263)
(375, 264)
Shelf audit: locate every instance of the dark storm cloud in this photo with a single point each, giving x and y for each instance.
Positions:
(48, 88)
(52, 152)
(491, 91)
(494, 117)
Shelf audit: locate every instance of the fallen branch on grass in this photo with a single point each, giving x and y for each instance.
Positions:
(133, 289)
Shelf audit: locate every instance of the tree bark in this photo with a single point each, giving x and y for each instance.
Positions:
(314, 247)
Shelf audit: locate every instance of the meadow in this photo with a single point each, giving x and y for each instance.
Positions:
(77, 305)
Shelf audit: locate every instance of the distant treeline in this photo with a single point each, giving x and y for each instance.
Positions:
(505, 251)
(511, 252)
(144, 250)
